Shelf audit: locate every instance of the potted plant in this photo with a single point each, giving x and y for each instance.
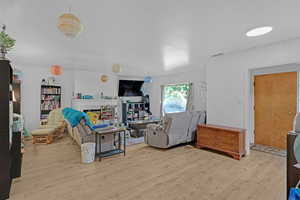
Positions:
(6, 43)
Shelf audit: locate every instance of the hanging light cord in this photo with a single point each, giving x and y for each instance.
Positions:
(70, 6)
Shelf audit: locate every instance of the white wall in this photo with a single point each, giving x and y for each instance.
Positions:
(88, 83)
(196, 76)
(31, 91)
(228, 82)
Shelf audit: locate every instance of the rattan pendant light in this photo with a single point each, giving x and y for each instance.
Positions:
(69, 25)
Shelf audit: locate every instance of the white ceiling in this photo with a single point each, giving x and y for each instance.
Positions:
(144, 36)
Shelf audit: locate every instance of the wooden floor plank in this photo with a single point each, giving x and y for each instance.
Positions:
(54, 172)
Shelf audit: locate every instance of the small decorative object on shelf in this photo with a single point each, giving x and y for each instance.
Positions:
(51, 81)
(78, 96)
(6, 43)
(44, 82)
(50, 99)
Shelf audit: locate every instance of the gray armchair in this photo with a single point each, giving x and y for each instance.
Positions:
(177, 128)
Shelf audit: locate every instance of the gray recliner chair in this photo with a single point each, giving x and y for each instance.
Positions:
(177, 128)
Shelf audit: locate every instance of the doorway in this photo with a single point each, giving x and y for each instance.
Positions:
(275, 100)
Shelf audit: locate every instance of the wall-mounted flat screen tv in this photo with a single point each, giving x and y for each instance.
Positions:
(130, 88)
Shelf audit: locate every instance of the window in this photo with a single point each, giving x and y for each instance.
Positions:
(175, 97)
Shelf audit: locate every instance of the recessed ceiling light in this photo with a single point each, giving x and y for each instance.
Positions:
(259, 31)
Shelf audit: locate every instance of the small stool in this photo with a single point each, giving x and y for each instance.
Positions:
(43, 136)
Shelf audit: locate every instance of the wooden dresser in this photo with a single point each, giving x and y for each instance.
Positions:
(221, 138)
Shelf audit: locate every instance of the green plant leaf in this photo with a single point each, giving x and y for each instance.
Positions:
(6, 42)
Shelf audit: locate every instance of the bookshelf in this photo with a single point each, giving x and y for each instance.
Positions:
(50, 99)
(134, 111)
(108, 112)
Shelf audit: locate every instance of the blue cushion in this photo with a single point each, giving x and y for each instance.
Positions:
(294, 194)
(74, 117)
(101, 126)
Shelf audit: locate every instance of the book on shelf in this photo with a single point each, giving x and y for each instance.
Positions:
(51, 90)
(48, 105)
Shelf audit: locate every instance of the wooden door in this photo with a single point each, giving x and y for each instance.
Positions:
(275, 97)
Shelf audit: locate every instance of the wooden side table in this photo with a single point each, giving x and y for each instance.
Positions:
(114, 131)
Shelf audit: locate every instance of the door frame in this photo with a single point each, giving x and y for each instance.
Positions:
(293, 67)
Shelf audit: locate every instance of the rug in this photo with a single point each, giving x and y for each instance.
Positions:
(132, 140)
(267, 149)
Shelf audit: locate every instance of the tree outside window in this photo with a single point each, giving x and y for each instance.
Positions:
(175, 97)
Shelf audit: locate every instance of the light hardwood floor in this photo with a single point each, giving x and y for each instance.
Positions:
(54, 172)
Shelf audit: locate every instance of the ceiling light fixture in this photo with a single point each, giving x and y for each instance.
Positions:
(69, 25)
(259, 31)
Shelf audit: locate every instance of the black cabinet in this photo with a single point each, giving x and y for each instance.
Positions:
(133, 111)
(11, 163)
(16, 156)
(5, 165)
(293, 173)
(5, 156)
